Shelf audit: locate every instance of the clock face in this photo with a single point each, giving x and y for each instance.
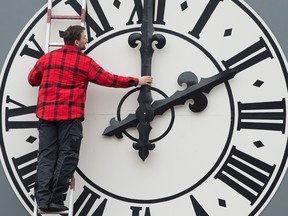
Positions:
(228, 158)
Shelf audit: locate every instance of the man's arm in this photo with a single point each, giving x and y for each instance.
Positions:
(35, 75)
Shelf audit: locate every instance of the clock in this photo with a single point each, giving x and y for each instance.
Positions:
(218, 102)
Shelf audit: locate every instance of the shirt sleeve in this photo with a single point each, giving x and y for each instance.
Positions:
(35, 75)
(102, 77)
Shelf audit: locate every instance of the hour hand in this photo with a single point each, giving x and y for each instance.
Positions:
(193, 91)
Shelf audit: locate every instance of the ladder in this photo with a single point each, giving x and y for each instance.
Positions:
(69, 212)
(50, 17)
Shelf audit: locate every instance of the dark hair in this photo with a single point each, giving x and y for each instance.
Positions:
(73, 33)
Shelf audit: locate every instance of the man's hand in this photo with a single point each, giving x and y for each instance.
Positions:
(145, 80)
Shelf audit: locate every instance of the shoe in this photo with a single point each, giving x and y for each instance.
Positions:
(43, 207)
(57, 207)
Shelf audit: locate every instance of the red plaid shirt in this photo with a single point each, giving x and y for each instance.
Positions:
(63, 77)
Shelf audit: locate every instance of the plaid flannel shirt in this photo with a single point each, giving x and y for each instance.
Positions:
(63, 76)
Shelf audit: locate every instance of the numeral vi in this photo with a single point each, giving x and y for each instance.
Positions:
(85, 202)
(136, 211)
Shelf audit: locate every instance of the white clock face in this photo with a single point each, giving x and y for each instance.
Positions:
(228, 158)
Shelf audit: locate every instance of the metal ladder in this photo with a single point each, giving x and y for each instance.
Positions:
(50, 17)
(69, 212)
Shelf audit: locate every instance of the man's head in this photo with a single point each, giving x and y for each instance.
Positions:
(74, 35)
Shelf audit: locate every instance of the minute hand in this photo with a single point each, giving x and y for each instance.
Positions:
(204, 86)
(179, 97)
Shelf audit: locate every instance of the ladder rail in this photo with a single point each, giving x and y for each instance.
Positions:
(48, 26)
(35, 209)
(83, 12)
(71, 196)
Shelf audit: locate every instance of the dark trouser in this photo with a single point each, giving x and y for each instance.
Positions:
(59, 145)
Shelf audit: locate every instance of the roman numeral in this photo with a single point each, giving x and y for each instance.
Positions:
(262, 116)
(99, 29)
(159, 19)
(87, 199)
(205, 16)
(137, 10)
(252, 55)
(137, 210)
(26, 169)
(34, 53)
(245, 174)
(199, 211)
(21, 110)
(159, 12)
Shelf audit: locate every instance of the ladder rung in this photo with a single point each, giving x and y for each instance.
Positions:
(66, 17)
(50, 213)
(56, 44)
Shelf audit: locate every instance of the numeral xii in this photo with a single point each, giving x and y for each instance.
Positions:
(159, 12)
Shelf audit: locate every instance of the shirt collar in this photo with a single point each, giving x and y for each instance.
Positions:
(70, 47)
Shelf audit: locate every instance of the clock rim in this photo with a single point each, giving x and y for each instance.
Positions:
(272, 40)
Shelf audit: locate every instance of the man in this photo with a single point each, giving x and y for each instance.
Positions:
(62, 76)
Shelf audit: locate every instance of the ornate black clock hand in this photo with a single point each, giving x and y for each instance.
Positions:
(145, 113)
(193, 91)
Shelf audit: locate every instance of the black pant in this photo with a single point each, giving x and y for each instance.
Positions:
(59, 145)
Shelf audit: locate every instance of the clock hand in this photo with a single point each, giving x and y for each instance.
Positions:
(145, 113)
(194, 91)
